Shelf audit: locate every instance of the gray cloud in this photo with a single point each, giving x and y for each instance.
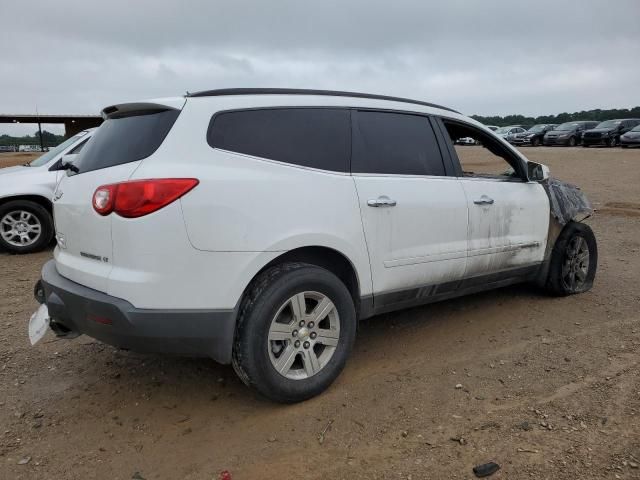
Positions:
(489, 57)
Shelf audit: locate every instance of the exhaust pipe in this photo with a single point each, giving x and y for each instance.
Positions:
(38, 292)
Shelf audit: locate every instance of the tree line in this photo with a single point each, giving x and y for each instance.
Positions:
(48, 139)
(597, 114)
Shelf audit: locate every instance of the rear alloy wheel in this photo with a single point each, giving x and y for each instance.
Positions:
(295, 330)
(25, 226)
(573, 260)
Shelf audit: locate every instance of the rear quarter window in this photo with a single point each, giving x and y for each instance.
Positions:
(310, 137)
(126, 139)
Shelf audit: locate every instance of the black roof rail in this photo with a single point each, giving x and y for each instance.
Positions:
(303, 91)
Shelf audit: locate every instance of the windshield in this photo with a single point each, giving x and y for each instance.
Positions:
(636, 128)
(51, 154)
(537, 128)
(503, 130)
(567, 126)
(609, 124)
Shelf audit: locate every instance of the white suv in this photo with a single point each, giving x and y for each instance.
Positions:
(257, 226)
(26, 191)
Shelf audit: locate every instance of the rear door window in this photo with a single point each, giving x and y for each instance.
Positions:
(126, 139)
(395, 143)
(309, 137)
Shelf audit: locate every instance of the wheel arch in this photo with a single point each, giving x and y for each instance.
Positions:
(331, 259)
(39, 199)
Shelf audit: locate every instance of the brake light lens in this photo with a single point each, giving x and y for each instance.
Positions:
(140, 197)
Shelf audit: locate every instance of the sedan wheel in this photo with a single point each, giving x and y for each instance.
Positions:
(25, 226)
(20, 228)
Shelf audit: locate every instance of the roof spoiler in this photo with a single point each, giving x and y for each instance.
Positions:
(142, 108)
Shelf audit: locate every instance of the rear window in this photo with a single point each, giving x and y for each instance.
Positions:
(395, 143)
(126, 139)
(309, 137)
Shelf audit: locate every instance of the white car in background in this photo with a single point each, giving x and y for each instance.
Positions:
(26, 194)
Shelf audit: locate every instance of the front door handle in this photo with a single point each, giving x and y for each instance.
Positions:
(382, 201)
(484, 200)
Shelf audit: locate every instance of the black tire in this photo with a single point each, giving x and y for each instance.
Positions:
(535, 142)
(264, 299)
(559, 281)
(613, 142)
(40, 213)
(572, 142)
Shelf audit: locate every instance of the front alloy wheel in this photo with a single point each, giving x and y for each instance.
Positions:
(575, 267)
(574, 259)
(25, 226)
(20, 228)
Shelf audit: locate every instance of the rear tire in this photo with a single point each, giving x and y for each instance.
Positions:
(280, 349)
(574, 260)
(25, 226)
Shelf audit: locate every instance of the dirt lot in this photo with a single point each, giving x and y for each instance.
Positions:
(550, 386)
(11, 159)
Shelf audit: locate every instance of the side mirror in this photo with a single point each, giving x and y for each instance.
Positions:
(58, 165)
(537, 172)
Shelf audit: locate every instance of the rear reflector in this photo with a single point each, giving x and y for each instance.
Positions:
(140, 197)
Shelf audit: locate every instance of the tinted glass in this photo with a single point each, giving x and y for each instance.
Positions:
(395, 143)
(310, 137)
(126, 139)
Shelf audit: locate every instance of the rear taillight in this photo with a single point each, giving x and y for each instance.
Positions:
(104, 198)
(140, 197)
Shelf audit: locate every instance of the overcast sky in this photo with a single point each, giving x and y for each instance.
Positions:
(480, 57)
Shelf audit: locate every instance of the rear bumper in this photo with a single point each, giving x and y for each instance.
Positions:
(82, 310)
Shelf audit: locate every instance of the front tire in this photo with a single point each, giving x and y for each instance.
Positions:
(25, 226)
(295, 330)
(613, 142)
(574, 260)
(535, 142)
(572, 142)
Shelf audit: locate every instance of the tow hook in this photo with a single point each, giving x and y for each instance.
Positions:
(38, 292)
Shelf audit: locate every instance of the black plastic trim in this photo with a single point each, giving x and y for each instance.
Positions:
(399, 299)
(302, 91)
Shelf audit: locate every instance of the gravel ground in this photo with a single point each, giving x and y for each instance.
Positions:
(546, 387)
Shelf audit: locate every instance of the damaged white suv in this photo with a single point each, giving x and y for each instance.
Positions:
(257, 226)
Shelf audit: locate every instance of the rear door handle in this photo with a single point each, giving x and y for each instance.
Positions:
(484, 200)
(382, 201)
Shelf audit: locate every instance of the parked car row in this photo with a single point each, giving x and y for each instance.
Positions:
(624, 132)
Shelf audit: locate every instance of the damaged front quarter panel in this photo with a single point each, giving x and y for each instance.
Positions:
(567, 203)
